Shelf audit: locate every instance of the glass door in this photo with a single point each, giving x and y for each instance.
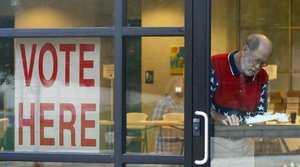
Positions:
(198, 118)
(265, 124)
(110, 85)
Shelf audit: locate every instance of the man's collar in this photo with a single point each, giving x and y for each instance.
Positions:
(233, 67)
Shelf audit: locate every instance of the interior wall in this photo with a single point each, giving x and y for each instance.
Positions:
(156, 53)
(163, 13)
(50, 14)
(224, 26)
(156, 50)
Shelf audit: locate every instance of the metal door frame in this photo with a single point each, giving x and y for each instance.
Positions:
(198, 45)
(197, 51)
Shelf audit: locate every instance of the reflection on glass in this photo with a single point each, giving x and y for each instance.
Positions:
(155, 91)
(295, 50)
(56, 14)
(261, 13)
(278, 37)
(280, 58)
(273, 142)
(52, 94)
(295, 12)
(155, 13)
(238, 92)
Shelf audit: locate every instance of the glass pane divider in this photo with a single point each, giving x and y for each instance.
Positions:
(60, 32)
(153, 159)
(153, 31)
(56, 157)
(119, 88)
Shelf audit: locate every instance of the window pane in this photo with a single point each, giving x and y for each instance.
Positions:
(281, 53)
(53, 93)
(295, 12)
(56, 13)
(264, 13)
(155, 93)
(259, 140)
(296, 59)
(155, 13)
(295, 50)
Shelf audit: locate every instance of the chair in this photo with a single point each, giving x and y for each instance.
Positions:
(136, 117)
(3, 129)
(178, 138)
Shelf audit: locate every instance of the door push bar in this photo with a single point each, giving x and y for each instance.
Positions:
(205, 158)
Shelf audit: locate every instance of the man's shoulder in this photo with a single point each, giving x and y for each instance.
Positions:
(165, 100)
(219, 60)
(263, 75)
(219, 57)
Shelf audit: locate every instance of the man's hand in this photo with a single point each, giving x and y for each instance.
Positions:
(232, 120)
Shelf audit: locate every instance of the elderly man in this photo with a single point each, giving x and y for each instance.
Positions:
(171, 103)
(238, 89)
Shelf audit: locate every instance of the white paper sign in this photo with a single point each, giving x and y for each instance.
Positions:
(57, 94)
(108, 71)
(281, 117)
(272, 71)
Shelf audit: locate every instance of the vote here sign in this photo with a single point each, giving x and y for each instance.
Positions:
(57, 94)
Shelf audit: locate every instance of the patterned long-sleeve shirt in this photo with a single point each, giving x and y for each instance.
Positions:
(164, 106)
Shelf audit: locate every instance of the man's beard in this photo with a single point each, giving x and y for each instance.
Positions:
(246, 70)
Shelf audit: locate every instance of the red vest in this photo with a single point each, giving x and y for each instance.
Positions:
(235, 91)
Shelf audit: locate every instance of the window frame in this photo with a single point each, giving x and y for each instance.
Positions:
(119, 31)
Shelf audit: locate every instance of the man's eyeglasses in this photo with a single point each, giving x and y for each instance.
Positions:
(254, 61)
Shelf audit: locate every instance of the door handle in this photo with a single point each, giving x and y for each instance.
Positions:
(205, 158)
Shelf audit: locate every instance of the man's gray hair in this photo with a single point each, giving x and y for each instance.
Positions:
(252, 41)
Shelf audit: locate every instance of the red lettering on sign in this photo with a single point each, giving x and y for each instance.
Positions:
(87, 124)
(26, 122)
(66, 125)
(28, 72)
(48, 47)
(45, 123)
(85, 64)
(67, 48)
(48, 109)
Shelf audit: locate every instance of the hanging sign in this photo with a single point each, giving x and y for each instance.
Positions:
(57, 94)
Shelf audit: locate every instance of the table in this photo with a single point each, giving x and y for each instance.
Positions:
(3, 128)
(145, 125)
(257, 131)
(270, 129)
(4, 119)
